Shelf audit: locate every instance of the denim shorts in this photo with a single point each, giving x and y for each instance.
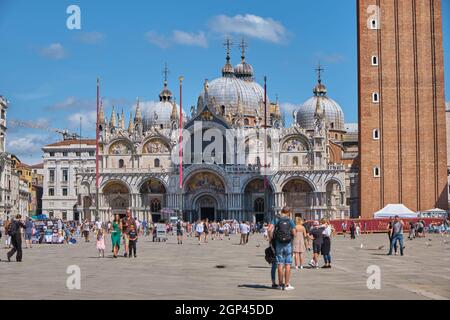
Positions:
(283, 253)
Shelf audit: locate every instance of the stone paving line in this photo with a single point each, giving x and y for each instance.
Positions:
(168, 271)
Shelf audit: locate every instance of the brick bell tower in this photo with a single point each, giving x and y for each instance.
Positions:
(402, 129)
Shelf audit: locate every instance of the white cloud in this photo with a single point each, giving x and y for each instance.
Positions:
(88, 121)
(53, 51)
(74, 103)
(191, 39)
(330, 58)
(287, 109)
(93, 37)
(177, 37)
(250, 25)
(28, 147)
(157, 39)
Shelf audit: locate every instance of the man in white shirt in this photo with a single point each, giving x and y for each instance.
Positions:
(199, 231)
(243, 228)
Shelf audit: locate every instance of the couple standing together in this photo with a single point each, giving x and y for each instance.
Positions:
(124, 228)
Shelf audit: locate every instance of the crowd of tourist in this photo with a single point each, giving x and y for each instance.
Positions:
(289, 241)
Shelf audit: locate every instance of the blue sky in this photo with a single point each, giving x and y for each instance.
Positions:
(48, 72)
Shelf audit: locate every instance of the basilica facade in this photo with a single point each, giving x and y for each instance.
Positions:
(263, 167)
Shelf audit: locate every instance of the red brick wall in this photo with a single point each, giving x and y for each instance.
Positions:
(411, 114)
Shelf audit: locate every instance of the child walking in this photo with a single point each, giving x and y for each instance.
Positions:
(133, 236)
(100, 243)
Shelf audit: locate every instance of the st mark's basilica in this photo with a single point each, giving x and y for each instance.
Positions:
(313, 175)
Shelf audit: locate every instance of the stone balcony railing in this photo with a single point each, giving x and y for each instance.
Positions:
(256, 169)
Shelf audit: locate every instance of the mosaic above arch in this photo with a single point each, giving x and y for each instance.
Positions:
(294, 145)
(120, 148)
(205, 180)
(156, 146)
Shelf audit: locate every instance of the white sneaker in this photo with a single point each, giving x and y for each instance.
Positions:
(289, 288)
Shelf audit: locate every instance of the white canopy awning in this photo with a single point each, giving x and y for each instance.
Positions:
(393, 210)
(436, 210)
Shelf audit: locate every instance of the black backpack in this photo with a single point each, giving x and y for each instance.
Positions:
(269, 255)
(12, 229)
(283, 231)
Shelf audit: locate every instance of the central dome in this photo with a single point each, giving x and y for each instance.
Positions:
(236, 92)
(234, 96)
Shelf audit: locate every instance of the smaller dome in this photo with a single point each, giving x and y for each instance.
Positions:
(333, 113)
(165, 94)
(227, 70)
(320, 89)
(160, 115)
(244, 71)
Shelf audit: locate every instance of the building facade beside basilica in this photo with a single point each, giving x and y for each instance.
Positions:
(258, 167)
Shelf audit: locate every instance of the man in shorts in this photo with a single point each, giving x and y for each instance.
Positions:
(29, 226)
(199, 231)
(127, 221)
(282, 232)
(316, 234)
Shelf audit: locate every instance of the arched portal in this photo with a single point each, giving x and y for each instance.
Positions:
(204, 196)
(206, 206)
(153, 198)
(258, 200)
(298, 195)
(116, 197)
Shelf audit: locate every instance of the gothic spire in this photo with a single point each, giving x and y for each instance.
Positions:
(122, 120)
(138, 116)
(101, 113)
(131, 124)
(113, 122)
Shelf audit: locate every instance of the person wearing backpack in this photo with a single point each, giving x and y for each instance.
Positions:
(282, 232)
(16, 238)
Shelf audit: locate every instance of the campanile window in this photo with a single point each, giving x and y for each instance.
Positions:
(375, 97)
(376, 134)
(376, 172)
(374, 60)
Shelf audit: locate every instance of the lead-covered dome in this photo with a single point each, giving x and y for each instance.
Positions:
(236, 92)
(234, 96)
(161, 114)
(333, 111)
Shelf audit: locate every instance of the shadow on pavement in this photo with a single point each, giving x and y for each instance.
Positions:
(254, 286)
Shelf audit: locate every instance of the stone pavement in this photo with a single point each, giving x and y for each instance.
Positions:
(169, 271)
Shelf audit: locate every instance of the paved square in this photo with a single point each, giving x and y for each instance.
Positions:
(169, 271)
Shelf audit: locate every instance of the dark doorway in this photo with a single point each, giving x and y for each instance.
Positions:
(156, 218)
(208, 213)
(259, 217)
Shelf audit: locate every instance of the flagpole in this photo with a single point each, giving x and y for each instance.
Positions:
(181, 145)
(97, 157)
(266, 183)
